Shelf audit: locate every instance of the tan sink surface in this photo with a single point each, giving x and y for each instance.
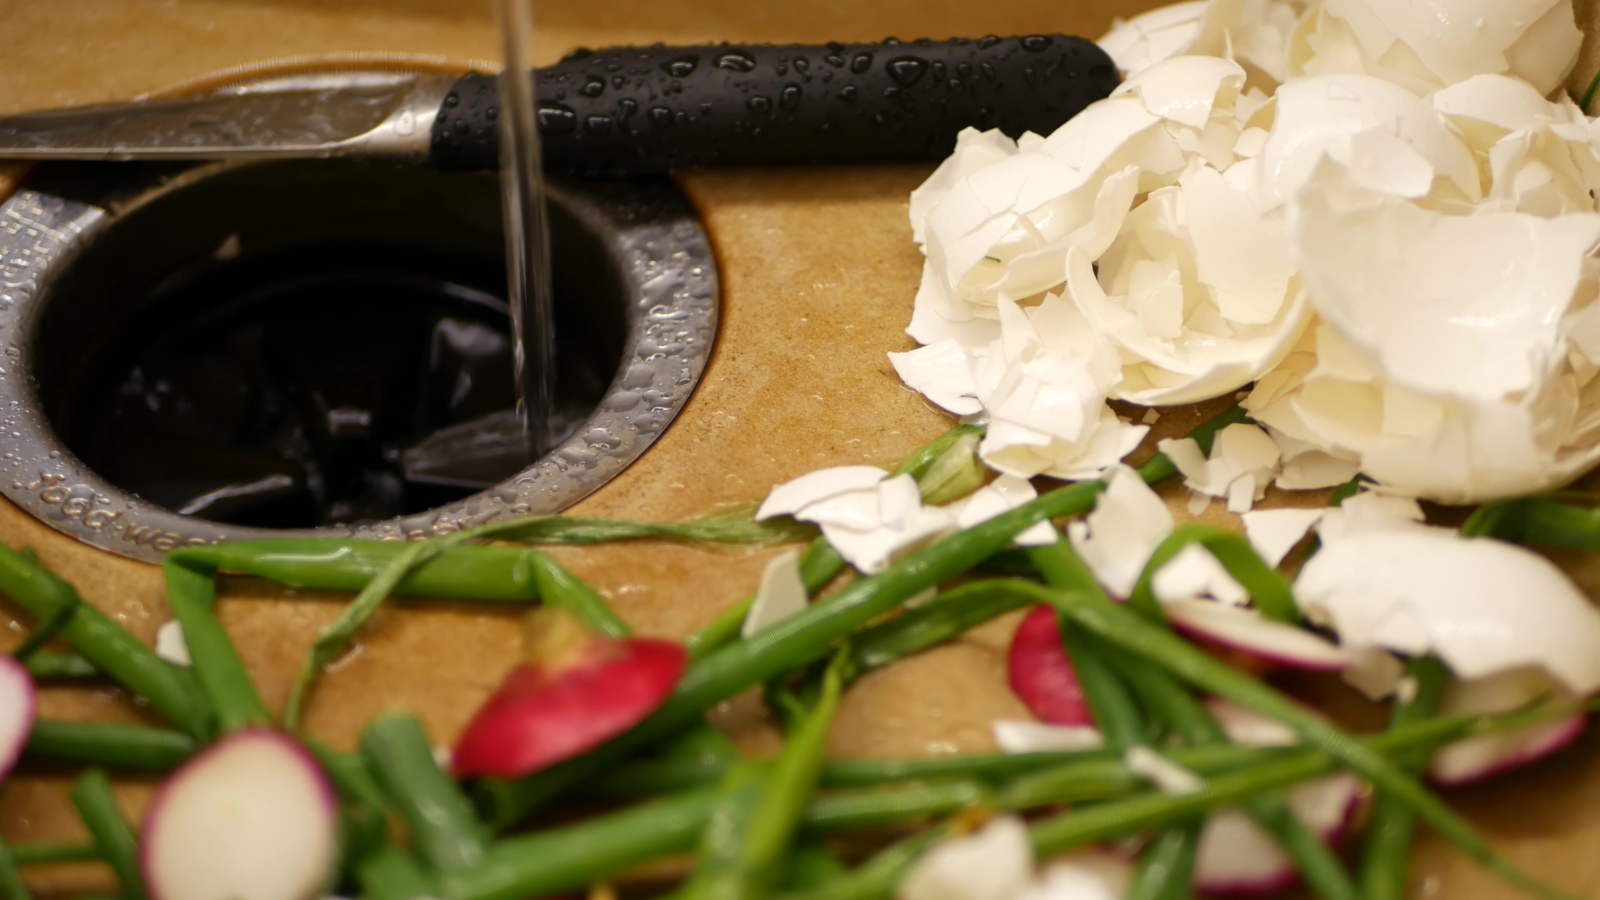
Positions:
(818, 277)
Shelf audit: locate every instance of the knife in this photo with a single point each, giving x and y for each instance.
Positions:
(620, 111)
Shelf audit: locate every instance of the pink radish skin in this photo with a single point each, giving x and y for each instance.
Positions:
(1249, 633)
(253, 817)
(1041, 674)
(545, 713)
(1481, 758)
(1236, 858)
(1464, 764)
(18, 705)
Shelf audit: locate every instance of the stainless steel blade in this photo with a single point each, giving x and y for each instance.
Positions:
(386, 114)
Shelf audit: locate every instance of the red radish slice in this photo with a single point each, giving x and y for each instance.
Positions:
(18, 705)
(1480, 758)
(577, 690)
(1476, 759)
(1042, 675)
(1235, 857)
(253, 818)
(1248, 632)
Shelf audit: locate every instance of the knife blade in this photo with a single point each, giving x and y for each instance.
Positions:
(314, 115)
(620, 111)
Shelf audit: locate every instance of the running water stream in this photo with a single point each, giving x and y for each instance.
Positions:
(529, 289)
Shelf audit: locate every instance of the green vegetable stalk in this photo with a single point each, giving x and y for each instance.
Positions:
(92, 795)
(444, 831)
(192, 594)
(110, 744)
(743, 849)
(171, 691)
(1384, 859)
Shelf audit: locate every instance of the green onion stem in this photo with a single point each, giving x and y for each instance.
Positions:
(1125, 629)
(92, 795)
(1268, 589)
(466, 572)
(877, 878)
(569, 857)
(923, 628)
(44, 633)
(45, 853)
(444, 831)
(172, 691)
(1166, 867)
(192, 594)
(788, 645)
(1536, 522)
(110, 744)
(12, 887)
(1192, 724)
(923, 458)
(1588, 93)
(743, 849)
(819, 564)
(560, 588)
(1111, 704)
(1159, 468)
(1384, 859)
(47, 666)
(390, 873)
(350, 774)
(812, 865)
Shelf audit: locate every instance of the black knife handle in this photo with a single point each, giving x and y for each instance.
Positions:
(650, 109)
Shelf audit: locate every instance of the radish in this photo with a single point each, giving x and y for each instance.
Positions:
(252, 818)
(1250, 633)
(18, 704)
(1235, 857)
(1041, 674)
(576, 690)
(1476, 759)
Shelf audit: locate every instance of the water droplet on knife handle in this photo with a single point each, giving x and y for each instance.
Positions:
(661, 108)
(529, 291)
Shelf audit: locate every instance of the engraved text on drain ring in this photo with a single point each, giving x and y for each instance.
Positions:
(671, 289)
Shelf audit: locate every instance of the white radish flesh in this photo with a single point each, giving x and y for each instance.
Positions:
(17, 708)
(252, 818)
(1248, 632)
(1476, 759)
(1235, 857)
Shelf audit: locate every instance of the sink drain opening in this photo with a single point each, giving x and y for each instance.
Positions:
(324, 347)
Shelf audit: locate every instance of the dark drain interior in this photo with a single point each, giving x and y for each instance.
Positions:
(270, 345)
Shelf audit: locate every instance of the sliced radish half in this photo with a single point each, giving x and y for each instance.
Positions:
(577, 690)
(1249, 728)
(1250, 633)
(1235, 857)
(1476, 759)
(1042, 675)
(18, 704)
(252, 818)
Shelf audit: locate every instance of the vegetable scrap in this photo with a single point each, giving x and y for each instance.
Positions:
(1377, 227)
